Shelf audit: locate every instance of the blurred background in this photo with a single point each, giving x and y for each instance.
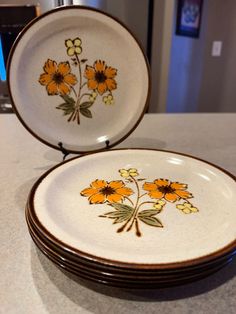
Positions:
(190, 45)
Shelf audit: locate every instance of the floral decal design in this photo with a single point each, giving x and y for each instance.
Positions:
(140, 203)
(79, 93)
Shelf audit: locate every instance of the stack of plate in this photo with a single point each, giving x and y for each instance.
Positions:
(79, 82)
(183, 235)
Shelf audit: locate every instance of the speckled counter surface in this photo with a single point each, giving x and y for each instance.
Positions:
(30, 283)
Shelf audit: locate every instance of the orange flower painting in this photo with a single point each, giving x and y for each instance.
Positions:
(132, 206)
(165, 189)
(79, 93)
(101, 191)
(100, 77)
(57, 78)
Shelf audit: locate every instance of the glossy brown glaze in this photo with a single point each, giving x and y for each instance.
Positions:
(133, 283)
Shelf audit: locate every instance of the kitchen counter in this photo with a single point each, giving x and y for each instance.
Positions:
(30, 283)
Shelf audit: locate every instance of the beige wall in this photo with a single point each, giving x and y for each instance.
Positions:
(218, 86)
(199, 82)
(160, 57)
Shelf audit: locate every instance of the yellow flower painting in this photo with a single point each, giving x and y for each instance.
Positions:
(73, 46)
(141, 202)
(78, 92)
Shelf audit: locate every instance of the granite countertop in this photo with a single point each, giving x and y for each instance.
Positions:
(30, 283)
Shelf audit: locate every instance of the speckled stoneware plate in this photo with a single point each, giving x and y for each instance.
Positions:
(141, 209)
(125, 281)
(77, 76)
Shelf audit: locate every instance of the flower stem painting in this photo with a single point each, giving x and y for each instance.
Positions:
(78, 92)
(137, 201)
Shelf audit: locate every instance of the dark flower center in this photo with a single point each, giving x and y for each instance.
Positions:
(100, 77)
(58, 78)
(107, 191)
(166, 189)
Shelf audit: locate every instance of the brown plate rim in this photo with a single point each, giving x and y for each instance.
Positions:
(129, 283)
(111, 273)
(100, 267)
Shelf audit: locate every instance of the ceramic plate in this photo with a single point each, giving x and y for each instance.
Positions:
(169, 209)
(78, 77)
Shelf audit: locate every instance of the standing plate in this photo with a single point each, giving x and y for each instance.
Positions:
(79, 77)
